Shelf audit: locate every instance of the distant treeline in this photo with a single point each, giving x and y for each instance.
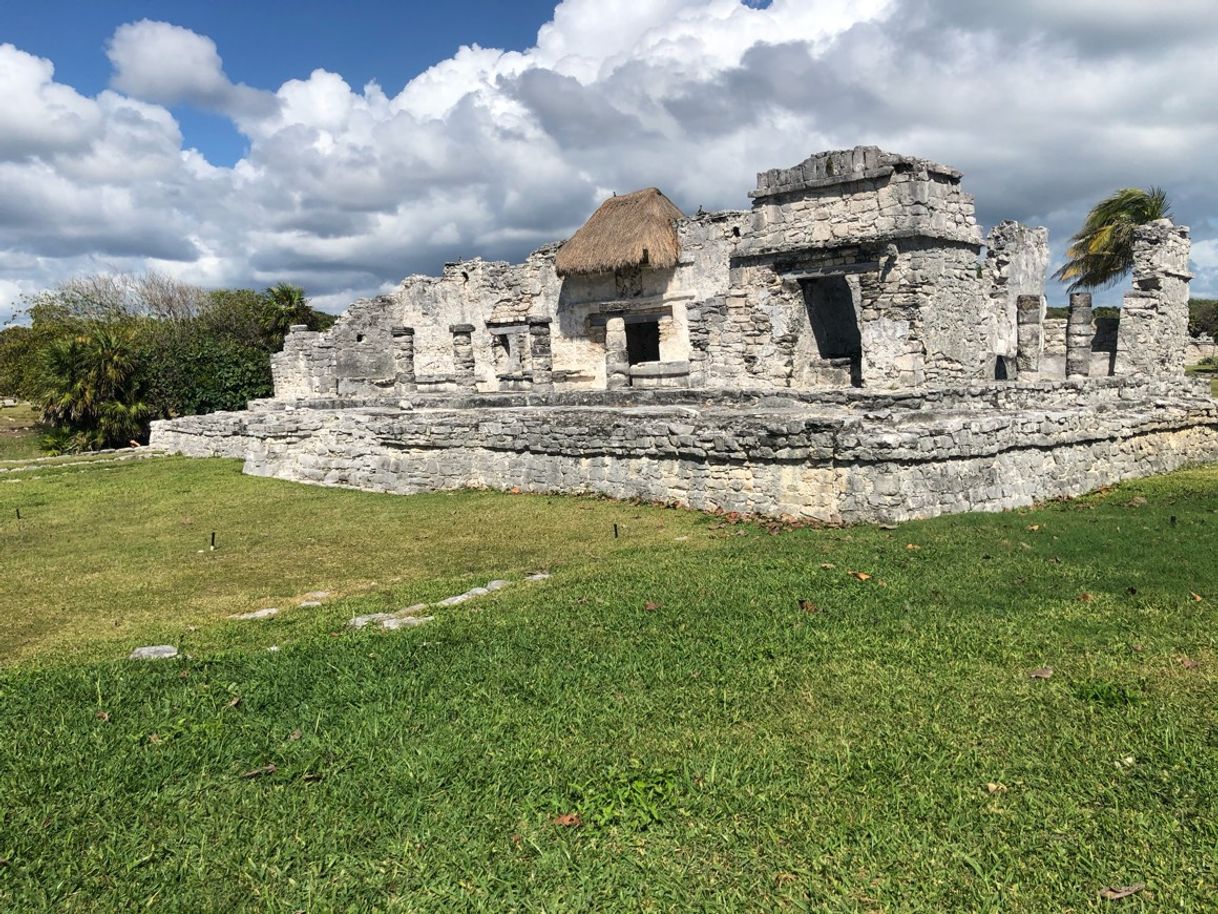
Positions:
(1202, 316)
(102, 356)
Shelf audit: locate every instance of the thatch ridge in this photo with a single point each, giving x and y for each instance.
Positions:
(632, 230)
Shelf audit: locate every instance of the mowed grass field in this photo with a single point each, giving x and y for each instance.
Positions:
(18, 432)
(690, 716)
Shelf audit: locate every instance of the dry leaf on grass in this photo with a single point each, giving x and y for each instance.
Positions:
(103, 716)
(1033, 527)
(1085, 598)
(259, 772)
(993, 787)
(861, 575)
(912, 546)
(294, 735)
(1116, 893)
(827, 565)
(1197, 598)
(1188, 663)
(651, 607)
(1041, 672)
(233, 702)
(568, 820)
(808, 606)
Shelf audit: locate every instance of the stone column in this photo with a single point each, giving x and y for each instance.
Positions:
(617, 359)
(1030, 338)
(463, 356)
(403, 359)
(1078, 336)
(1153, 330)
(540, 353)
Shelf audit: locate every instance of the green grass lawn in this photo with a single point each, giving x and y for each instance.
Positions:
(1205, 369)
(18, 432)
(881, 748)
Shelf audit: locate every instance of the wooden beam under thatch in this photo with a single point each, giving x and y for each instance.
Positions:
(634, 230)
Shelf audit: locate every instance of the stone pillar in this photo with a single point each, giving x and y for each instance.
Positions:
(540, 353)
(1031, 341)
(463, 356)
(617, 359)
(1153, 330)
(1078, 336)
(403, 359)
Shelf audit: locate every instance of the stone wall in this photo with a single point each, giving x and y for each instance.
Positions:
(892, 237)
(846, 458)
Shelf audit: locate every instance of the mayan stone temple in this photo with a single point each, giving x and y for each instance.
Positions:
(842, 351)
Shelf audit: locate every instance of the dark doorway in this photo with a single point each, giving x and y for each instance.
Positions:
(1001, 372)
(643, 342)
(835, 325)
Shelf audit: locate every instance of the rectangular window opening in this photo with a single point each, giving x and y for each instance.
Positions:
(643, 342)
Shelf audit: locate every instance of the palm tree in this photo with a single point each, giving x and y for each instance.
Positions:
(285, 305)
(1101, 252)
(89, 389)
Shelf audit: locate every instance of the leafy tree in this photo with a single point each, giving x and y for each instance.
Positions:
(1101, 252)
(18, 362)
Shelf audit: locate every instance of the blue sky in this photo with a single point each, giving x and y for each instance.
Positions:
(267, 42)
(344, 146)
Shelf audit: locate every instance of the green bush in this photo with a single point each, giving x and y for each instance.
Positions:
(1203, 318)
(104, 355)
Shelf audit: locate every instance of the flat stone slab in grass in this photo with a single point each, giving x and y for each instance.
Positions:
(361, 621)
(154, 652)
(317, 594)
(309, 604)
(257, 614)
(538, 576)
(490, 587)
(397, 622)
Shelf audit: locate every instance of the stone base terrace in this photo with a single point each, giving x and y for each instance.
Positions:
(832, 456)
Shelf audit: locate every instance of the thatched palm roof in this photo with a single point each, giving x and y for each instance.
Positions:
(629, 231)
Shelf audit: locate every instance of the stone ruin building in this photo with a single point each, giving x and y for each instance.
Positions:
(841, 351)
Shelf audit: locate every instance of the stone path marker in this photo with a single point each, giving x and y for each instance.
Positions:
(369, 619)
(309, 604)
(409, 617)
(266, 613)
(154, 652)
(405, 622)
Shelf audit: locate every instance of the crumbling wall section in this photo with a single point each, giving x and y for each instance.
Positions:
(1016, 260)
(305, 366)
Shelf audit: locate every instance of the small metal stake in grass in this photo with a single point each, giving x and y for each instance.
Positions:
(213, 541)
(18, 514)
(1173, 520)
(615, 531)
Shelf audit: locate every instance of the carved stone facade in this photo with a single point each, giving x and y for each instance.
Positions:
(842, 351)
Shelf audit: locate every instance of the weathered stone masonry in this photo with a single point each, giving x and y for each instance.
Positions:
(840, 352)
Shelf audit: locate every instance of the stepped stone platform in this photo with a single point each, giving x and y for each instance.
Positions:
(834, 455)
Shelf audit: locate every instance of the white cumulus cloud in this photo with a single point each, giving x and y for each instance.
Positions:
(345, 189)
